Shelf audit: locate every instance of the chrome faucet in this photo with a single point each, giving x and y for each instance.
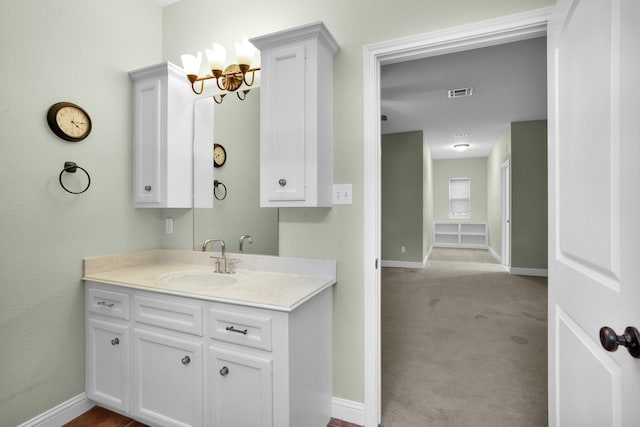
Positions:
(206, 242)
(242, 239)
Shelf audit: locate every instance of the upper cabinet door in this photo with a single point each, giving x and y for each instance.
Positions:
(163, 137)
(296, 117)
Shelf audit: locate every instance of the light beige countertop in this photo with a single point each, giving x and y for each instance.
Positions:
(277, 283)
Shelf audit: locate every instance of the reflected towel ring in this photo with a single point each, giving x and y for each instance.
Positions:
(71, 167)
(217, 184)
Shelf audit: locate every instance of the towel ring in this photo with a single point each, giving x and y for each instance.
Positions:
(217, 184)
(71, 167)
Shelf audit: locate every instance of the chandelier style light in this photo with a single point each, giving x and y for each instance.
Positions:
(229, 78)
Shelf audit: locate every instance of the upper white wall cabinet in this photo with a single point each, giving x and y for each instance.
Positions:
(163, 137)
(296, 117)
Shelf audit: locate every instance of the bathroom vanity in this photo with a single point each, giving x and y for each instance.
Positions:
(171, 343)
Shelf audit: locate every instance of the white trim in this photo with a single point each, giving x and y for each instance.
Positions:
(472, 36)
(347, 410)
(61, 414)
(495, 254)
(402, 264)
(519, 271)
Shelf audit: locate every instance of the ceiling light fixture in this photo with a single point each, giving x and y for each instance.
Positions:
(461, 147)
(229, 78)
(460, 92)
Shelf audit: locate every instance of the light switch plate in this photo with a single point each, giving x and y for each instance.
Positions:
(342, 194)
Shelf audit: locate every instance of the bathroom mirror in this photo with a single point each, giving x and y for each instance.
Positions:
(236, 126)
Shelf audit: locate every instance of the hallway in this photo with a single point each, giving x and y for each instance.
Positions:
(464, 343)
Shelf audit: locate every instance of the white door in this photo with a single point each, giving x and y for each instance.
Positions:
(594, 202)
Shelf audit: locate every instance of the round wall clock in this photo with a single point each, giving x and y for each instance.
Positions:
(69, 121)
(219, 155)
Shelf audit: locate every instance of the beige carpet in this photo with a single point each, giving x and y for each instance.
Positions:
(463, 344)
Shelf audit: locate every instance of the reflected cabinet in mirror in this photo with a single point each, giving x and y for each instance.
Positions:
(236, 127)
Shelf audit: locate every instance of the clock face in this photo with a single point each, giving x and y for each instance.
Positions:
(69, 121)
(219, 155)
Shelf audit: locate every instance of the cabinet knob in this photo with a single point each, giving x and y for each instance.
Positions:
(282, 182)
(115, 341)
(186, 360)
(224, 371)
(147, 188)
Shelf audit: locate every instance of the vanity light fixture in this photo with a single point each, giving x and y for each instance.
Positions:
(461, 147)
(229, 78)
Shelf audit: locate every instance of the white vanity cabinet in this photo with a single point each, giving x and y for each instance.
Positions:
(296, 117)
(163, 105)
(192, 362)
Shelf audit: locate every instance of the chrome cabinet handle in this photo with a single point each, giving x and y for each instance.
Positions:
(147, 188)
(282, 182)
(232, 329)
(115, 341)
(105, 304)
(224, 371)
(186, 360)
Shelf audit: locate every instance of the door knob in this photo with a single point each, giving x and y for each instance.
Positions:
(630, 339)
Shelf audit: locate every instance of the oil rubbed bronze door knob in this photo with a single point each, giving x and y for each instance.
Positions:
(630, 339)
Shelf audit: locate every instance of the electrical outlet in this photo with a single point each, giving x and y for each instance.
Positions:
(403, 249)
(168, 225)
(342, 194)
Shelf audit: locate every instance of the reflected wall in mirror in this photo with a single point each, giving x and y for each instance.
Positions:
(236, 126)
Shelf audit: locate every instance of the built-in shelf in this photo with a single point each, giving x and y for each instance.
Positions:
(460, 234)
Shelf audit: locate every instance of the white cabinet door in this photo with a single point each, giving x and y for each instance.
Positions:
(168, 381)
(296, 117)
(283, 120)
(163, 114)
(107, 371)
(241, 392)
(594, 273)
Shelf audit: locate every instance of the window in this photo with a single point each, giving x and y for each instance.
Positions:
(459, 198)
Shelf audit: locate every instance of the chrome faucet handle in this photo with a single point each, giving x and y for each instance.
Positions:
(243, 238)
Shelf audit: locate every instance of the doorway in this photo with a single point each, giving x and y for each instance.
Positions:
(501, 30)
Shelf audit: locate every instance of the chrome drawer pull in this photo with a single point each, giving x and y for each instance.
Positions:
(115, 341)
(105, 304)
(224, 371)
(186, 360)
(232, 329)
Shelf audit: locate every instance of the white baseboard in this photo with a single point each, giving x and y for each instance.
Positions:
(495, 255)
(347, 410)
(341, 409)
(542, 272)
(407, 264)
(61, 414)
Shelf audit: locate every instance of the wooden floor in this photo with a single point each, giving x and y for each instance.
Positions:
(100, 417)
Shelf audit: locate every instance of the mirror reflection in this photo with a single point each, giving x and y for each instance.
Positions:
(238, 213)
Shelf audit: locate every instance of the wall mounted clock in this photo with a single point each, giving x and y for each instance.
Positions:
(69, 121)
(219, 155)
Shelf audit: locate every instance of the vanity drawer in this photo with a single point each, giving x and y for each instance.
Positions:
(108, 303)
(181, 316)
(249, 330)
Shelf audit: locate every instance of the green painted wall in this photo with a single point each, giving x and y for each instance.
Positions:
(76, 51)
(529, 194)
(499, 154)
(47, 232)
(476, 170)
(427, 208)
(402, 197)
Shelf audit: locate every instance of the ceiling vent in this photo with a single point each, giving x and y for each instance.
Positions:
(459, 93)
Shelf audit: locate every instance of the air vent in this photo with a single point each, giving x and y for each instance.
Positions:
(458, 93)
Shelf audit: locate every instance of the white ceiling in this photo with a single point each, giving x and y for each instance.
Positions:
(509, 84)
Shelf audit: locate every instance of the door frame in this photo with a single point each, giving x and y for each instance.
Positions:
(501, 30)
(505, 250)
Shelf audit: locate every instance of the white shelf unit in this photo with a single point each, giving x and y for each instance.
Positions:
(460, 234)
